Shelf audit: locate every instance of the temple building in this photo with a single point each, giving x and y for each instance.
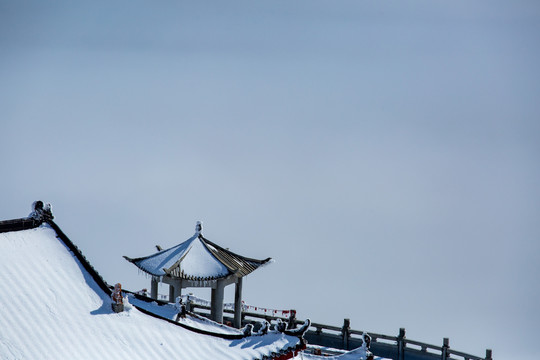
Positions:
(198, 262)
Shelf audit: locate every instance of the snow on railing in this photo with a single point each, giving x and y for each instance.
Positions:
(403, 348)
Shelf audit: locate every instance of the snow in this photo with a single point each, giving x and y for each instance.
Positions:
(51, 308)
(196, 260)
(170, 311)
(360, 353)
(356, 354)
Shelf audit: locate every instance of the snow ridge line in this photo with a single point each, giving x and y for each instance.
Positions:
(224, 336)
(200, 331)
(284, 354)
(82, 259)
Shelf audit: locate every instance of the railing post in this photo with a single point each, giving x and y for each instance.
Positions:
(401, 344)
(346, 333)
(488, 354)
(172, 299)
(445, 348)
(292, 319)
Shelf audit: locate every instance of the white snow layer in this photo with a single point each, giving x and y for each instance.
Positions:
(170, 311)
(356, 354)
(51, 308)
(196, 260)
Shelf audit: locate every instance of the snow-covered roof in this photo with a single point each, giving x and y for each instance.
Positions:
(59, 308)
(198, 259)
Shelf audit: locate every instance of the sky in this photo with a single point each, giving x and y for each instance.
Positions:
(384, 153)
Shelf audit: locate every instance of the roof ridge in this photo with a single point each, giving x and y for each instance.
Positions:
(19, 224)
(159, 251)
(177, 263)
(235, 254)
(237, 264)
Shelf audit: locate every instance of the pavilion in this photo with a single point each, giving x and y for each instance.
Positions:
(198, 262)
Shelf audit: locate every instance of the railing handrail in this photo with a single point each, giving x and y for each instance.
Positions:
(322, 326)
(375, 336)
(423, 345)
(464, 355)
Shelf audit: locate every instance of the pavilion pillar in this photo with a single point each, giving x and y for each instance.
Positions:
(177, 289)
(172, 289)
(154, 288)
(216, 306)
(238, 303)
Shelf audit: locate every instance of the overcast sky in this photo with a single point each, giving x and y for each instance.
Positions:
(384, 153)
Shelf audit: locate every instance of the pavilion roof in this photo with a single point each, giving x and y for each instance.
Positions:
(197, 259)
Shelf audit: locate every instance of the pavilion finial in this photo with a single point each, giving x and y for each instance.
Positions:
(198, 227)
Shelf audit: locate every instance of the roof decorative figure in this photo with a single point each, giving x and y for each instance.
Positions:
(197, 259)
(41, 211)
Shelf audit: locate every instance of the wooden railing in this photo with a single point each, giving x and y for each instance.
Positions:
(392, 347)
